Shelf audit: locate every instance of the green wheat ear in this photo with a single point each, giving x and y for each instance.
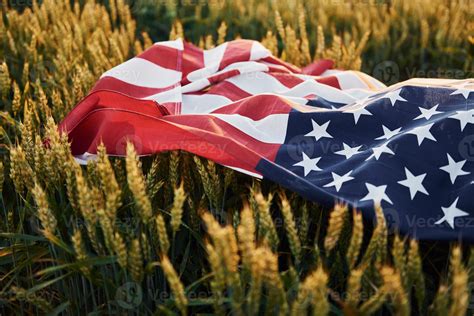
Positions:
(136, 184)
(357, 236)
(459, 284)
(163, 239)
(336, 223)
(291, 228)
(177, 208)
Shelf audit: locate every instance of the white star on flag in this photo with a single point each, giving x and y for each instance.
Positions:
(319, 131)
(450, 213)
(394, 96)
(464, 118)
(376, 193)
(387, 133)
(338, 180)
(454, 168)
(422, 132)
(358, 109)
(308, 164)
(461, 89)
(427, 113)
(379, 150)
(348, 151)
(414, 183)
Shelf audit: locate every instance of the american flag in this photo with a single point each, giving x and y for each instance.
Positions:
(327, 134)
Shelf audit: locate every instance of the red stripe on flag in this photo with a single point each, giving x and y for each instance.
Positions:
(318, 67)
(97, 120)
(330, 81)
(227, 137)
(193, 59)
(228, 90)
(222, 76)
(236, 51)
(276, 61)
(251, 107)
(108, 100)
(288, 80)
(277, 69)
(164, 56)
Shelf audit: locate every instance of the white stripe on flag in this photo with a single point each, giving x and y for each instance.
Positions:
(202, 104)
(213, 57)
(350, 80)
(244, 67)
(377, 84)
(173, 95)
(321, 90)
(141, 72)
(258, 82)
(196, 85)
(258, 51)
(271, 129)
(212, 60)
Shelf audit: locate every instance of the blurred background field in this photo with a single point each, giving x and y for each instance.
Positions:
(422, 38)
(174, 234)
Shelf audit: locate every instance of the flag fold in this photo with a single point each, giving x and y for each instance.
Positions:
(328, 134)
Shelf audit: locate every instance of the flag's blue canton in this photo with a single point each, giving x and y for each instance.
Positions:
(411, 149)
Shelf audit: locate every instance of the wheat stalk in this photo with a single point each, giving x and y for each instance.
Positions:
(336, 222)
(136, 184)
(176, 286)
(177, 208)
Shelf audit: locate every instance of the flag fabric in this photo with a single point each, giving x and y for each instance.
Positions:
(327, 134)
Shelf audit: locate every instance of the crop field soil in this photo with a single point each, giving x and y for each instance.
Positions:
(174, 233)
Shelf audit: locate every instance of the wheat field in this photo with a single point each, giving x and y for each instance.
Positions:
(174, 233)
